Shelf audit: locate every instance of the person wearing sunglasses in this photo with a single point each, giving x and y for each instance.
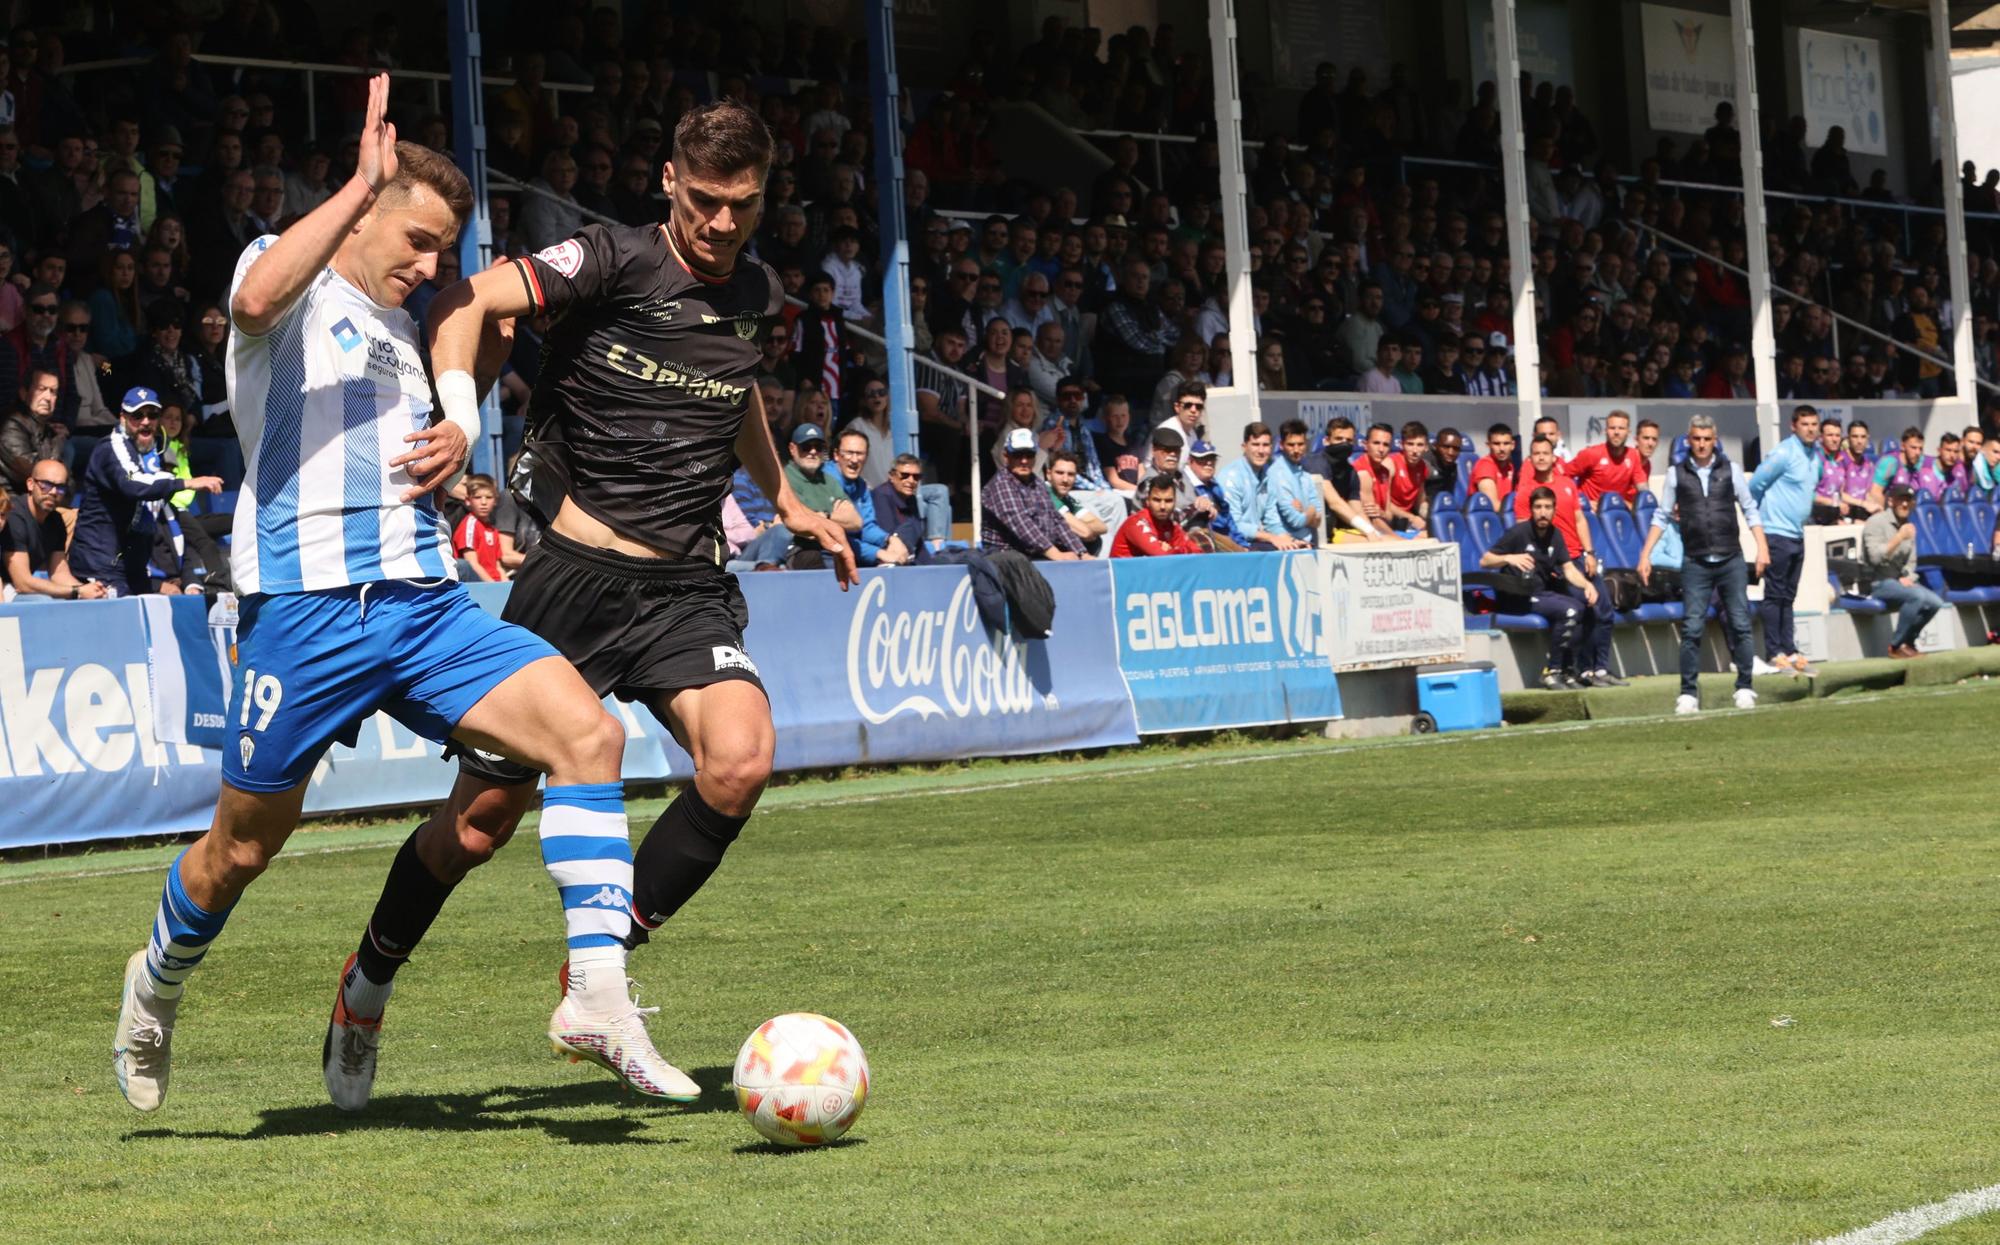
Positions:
(33, 552)
(123, 500)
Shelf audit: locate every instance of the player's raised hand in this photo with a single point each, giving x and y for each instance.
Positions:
(439, 450)
(378, 138)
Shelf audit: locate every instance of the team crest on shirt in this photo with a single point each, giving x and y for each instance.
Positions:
(565, 257)
(746, 323)
(346, 335)
(246, 748)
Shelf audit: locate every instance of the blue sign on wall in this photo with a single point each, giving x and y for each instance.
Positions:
(1223, 640)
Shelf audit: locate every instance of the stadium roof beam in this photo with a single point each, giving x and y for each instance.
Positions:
(1763, 341)
(1514, 179)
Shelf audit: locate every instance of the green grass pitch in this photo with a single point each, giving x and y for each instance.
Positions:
(1725, 979)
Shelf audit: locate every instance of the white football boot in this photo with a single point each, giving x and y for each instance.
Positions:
(347, 1056)
(143, 1046)
(617, 1041)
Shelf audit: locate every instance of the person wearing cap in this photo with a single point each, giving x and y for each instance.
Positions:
(122, 499)
(1017, 512)
(1783, 486)
(1889, 549)
(1218, 527)
(818, 491)
(1491, 380)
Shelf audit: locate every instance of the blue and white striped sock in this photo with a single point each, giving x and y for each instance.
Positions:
(181, 933)
(587, 849)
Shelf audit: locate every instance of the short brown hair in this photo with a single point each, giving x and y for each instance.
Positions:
(418, 165)
(480, 482)
(720, 139)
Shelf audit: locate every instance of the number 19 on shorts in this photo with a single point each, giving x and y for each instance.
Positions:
(262, 694)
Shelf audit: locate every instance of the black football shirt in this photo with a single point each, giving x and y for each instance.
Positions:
(646, 378)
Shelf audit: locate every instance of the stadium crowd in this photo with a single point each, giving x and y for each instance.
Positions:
(1067, 334)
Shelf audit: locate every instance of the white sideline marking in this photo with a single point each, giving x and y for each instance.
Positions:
(1908, 1225)
(1094, 773)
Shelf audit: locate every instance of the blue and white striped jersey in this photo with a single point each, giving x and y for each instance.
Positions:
(322, 403)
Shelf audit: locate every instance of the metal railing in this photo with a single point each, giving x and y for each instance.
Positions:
(973, 385)
(312, 70)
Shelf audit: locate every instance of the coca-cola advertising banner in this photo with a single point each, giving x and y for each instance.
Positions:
(1392, 603)
(1217, 640)
(901, 668)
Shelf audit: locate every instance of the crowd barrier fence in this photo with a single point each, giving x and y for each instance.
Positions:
(113, 713)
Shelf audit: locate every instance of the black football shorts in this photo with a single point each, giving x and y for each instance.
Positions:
(633, 627)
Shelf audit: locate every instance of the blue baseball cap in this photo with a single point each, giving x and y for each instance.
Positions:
(1202, 449)
(139, 396)
(1021, 441)
(807, 432)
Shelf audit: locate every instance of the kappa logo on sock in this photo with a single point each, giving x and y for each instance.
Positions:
(606, 897)
(728, 658)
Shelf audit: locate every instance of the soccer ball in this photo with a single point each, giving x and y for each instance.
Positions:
(801, 1079)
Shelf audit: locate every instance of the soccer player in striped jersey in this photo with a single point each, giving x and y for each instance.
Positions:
(350, 605)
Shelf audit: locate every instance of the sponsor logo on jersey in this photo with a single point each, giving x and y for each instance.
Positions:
(565, 257)
(623, 358)
(346, 335)
(660, 309)
(727, 658)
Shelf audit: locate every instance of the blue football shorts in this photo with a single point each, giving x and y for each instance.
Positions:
(311, 667)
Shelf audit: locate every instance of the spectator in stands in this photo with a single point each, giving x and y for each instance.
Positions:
(943, 400)
(1132, 335)
(121, 503)
(1189, 355)
(1731, 382)
(905, 497)
(1377, 467)
(475, 541)
(1153, 531)
(874, 544)
(1252, 492)
(551, 212)
(1492, 380)
(1889, 549)
(820, 345)
(818, 491)
(1783, 487)
(33, 544)
(1611, 466)
(1084, 521)
(1018, 513)
(1381, 378)
(871, 423)
(30, 434)
(115, 315)
(1359, 336)
(1120, 456)
(1558, 591)
(1703, 495)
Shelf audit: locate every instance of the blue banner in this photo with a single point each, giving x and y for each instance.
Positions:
(898, 669)
(1220, 640)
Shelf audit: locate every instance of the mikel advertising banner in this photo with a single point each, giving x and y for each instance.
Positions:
(1392, 603)
(1216, 640)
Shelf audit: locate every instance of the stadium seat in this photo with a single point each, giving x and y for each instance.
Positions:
(1612, 501)
(1451, 525)
(1487, 527)
(216, 503)
(1935, 537)
(1446, 499)
(1983, 517)
(1966, 531)
(217, 456)
(1647, 505)
(1478, 503)
(1623, 536)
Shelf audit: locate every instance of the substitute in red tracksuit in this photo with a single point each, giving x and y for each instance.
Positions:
(1153, 531)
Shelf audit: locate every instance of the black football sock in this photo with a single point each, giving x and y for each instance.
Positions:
(411, 899)
(676, 857)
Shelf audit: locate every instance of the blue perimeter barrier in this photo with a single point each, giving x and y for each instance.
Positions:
(898, 669)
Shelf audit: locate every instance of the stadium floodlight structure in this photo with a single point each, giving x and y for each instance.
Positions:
(1514, 178)
(884, 103)
(1232, 407)
(475, 241)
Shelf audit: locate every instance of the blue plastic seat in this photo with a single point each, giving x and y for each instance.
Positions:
(1479, 503)
(1644, 510)
(1520, 622)
(1612, 501)
(1452, 525)
(1445, 499)
(1966, 531)
(1623, 536)
(1934, 533)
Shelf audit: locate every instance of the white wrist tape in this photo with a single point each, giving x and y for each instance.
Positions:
(458, 394)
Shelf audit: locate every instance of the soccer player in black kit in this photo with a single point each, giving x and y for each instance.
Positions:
(646, 403)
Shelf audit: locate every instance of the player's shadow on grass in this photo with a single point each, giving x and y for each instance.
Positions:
(495, 1110)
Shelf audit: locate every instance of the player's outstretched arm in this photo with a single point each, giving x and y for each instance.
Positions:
(463, 319)
(759, 455)
(278, 277)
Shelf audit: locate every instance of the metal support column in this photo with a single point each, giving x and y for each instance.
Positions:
(1965, 365)
(475, 241)
(894, 234)
(1230, 409)
(1514, 176)
(1763, 342)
